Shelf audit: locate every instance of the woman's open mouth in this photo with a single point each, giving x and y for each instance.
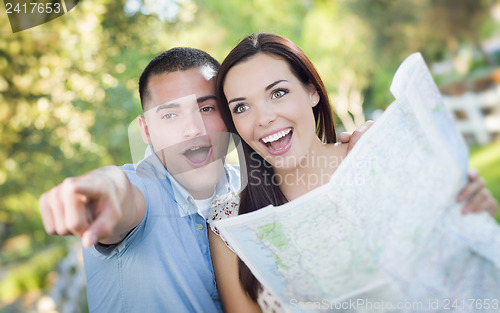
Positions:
(279, 142)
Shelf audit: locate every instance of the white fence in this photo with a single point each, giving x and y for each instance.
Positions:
(477, 115)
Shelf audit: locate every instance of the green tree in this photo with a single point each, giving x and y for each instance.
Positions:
(436, 28)
(68, 93)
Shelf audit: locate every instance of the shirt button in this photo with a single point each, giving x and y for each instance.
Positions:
(184, 206)
(199, 226)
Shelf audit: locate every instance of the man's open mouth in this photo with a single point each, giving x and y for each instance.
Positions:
(198, 155)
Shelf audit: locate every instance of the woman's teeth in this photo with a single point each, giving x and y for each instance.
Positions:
(276, 136)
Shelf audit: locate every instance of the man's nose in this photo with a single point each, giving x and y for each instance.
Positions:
(194, 125)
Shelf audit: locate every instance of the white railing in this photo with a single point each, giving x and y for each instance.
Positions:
(476, 115)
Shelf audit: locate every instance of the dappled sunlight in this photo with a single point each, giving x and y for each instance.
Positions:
(69, 94)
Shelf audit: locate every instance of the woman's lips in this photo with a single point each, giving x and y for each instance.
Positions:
(278, 142)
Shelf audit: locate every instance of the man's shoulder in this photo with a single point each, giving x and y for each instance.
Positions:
(132, 172)
(145, 169)
(128, 167)
(233, 176)
(144, 178)
(232, 168)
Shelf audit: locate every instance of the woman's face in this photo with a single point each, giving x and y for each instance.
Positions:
(272, 109)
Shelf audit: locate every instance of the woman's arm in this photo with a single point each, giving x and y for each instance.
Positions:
(225, 263)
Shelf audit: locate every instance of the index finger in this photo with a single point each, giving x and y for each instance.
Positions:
(74, 203)
(46, 214)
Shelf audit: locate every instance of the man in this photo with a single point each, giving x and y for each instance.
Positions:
(147, 247)
(143, 225)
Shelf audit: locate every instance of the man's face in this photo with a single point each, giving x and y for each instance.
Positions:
(186, 131)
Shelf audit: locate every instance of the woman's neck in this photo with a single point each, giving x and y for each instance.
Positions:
(313, 171)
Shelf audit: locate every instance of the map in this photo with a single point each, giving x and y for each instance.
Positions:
(386, 233)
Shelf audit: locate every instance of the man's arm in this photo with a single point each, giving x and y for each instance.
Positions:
(100, 206)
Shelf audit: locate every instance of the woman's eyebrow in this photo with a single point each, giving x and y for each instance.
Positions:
(271, 85)
(236, 99)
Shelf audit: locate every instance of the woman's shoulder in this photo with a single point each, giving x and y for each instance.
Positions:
(336, 153)
(339, 149)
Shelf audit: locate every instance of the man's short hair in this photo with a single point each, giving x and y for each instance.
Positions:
(173, 60)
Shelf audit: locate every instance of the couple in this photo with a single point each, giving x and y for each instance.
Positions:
(143, 225)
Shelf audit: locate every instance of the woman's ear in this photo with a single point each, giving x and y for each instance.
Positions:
(314, 95)
(141, 120)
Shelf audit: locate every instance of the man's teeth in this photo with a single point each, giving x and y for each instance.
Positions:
(195, 149)
(276, 136)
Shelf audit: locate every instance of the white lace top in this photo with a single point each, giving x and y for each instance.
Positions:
(227, 206)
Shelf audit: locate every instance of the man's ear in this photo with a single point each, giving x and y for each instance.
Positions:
(314, 95)
(141, 120)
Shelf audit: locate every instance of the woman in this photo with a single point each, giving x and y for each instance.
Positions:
(272, 96)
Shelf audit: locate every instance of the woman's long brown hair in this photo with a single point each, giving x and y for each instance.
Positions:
(262, 188)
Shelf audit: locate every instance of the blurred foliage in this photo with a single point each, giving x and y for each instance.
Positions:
(68, 87)
(436, 28)
(30, 274)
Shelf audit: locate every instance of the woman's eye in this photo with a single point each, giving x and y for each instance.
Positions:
(240, 108)
(167, 116)
(278, 93)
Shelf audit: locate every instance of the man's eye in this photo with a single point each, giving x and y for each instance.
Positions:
(278, 93)
(240, 108)
(207, 109)
(167, 116)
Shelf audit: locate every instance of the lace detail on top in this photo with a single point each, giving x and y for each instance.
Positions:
(268, 303)
(223, 207)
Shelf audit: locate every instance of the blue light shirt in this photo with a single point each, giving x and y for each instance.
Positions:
(164, 263)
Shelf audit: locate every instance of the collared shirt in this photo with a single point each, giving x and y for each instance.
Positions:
(164, 264)
(228, 183)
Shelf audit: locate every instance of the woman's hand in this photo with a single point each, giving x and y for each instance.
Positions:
(478, 197)
(352, 139)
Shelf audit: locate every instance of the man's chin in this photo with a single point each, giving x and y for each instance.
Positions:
(201, 180)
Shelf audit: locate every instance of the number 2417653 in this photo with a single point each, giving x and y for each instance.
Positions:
(33, 8)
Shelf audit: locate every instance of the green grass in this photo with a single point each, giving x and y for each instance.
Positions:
(31, 274)
(487, 161)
